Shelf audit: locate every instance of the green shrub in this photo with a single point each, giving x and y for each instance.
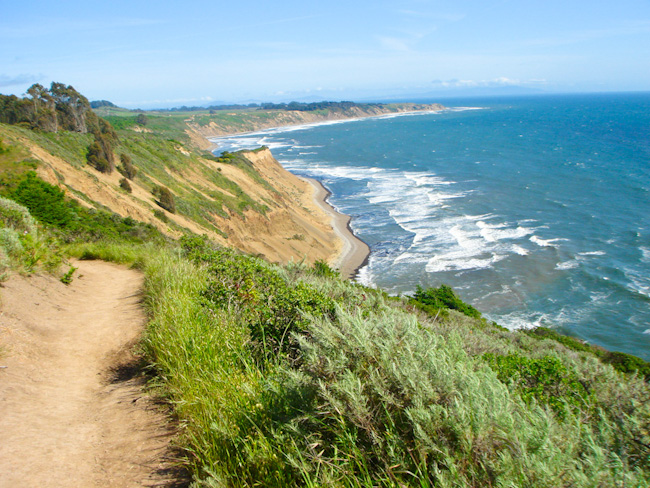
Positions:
(10, 242)
(66, 279)
(160, 215)
(126, 168)
(165, 198)
(321, 268)
(125, 185)
(627, 363)
(273, 308)
(16, 216)
(45, 202)
(570, 342)
(546, 380)
(443, 297)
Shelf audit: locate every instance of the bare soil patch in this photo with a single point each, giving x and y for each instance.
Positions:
(72, 407)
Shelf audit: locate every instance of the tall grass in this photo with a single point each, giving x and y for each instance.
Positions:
(373, 394)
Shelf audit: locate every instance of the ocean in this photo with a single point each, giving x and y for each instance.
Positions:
(536, 210)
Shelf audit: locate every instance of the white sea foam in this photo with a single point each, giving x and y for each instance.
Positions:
(645, 254)
(364, 275)
(443, 240)
(546, 242)
(521, 320)
(592, 253)
(498, 232)
(566, 265)
(422, 179)
(637, 284)
(463, 109)
(458, 261)
(520, 250)
(599, 296)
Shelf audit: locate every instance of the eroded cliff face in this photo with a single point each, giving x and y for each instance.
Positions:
(292, 228)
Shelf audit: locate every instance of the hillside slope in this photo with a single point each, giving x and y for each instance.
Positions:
(247, 200)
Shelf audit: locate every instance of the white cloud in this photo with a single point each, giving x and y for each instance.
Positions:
(394, 44)
(499, 81)
(22, 79)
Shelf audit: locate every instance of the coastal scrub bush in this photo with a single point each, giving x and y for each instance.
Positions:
(356, 392)
(16, 216)
(442, 297)
(100, 152)
(321, 268)
(273, 309)
(22, 247)
(165, 198)
(126, 168)
(546, 380)
(625, 363)
(125, 185)
(45, 202)
(10, 242)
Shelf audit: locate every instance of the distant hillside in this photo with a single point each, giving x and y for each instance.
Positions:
(198, 125)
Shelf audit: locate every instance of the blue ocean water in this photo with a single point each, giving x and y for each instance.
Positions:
(535, 210)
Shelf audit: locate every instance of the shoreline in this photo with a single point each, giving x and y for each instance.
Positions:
(290, 127)
(355, 252)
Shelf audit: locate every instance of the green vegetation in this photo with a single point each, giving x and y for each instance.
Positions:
(165, 198)
(127, 169)
(285, 377)
(151, 159)
(620, 361)
(70, 222)
(60, 107)
(125, 185)
(23, 247)
(435, 300)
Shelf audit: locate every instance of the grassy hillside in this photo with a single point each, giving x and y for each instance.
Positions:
(245, 200)
(289, 376)
(159, 161)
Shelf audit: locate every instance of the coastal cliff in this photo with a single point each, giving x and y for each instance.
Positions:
(248, 201)
(202, 127)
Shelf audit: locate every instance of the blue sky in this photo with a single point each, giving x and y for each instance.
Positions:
(147, 54)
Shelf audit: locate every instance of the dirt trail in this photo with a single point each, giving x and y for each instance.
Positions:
(70, 415)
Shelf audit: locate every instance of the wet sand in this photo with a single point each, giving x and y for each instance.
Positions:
(355, 252)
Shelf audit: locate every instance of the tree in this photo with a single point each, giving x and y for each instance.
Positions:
(165, 198)
(71, 106)
(141, 119)
(127, 169)
(43, 114)
(125, 185)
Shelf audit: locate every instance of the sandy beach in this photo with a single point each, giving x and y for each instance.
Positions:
(355, 252)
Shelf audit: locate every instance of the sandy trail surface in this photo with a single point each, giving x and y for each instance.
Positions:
(72, 409)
